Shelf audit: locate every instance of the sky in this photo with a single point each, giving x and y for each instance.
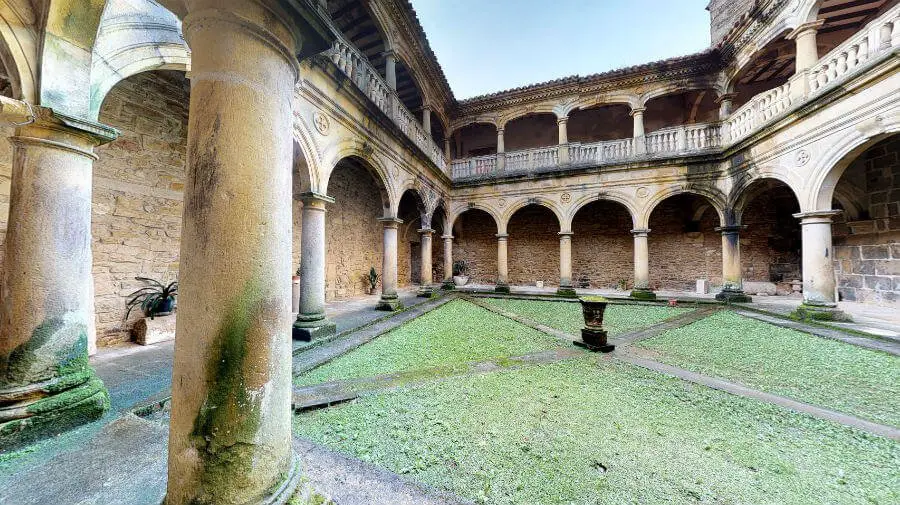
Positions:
(486, 46)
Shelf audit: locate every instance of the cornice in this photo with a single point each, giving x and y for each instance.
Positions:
(755, 20)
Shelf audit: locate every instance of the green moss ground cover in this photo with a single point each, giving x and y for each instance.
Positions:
(566, 316)
(828, 373)
(580, 433)
(457, 332)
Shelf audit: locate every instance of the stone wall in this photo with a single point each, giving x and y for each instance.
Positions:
(724, 14)
(867, 246)
(602, 246)
(684, 246)
(771, 239)
(137, 194)
(475, 240)
(533, 248)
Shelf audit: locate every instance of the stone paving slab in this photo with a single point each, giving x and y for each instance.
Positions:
(329, 393)
(315, 356)
(635, 357)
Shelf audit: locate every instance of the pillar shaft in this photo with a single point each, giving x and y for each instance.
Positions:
(427, 276)
(726, 102)
(500, 147)
(389, 299)
(732, 278)
(502, 267)
(311, 321)
(807, 52)
(641, 265)
(230, 429)
(447, 148)
(563, 151)
(390, 69)
(46, 384)
(817, 262)
(565, 264)
(448, 259)
(637, 113)
(426, 120)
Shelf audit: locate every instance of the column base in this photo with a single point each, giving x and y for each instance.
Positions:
(567, 292)
(426, 291)
(809, 312)
(49, 408)
(309, 327)
(501, 288)
(283, 494)
(448, 285)
(643, 294)
(733, 296)
(389, 303)
(594, 341)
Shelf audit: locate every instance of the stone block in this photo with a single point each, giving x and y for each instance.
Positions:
(764, 288)
(702, 286)
(887, 267)
(895, 251)
(850, 281)
(876, 252)
(152, 331)
(879, 283)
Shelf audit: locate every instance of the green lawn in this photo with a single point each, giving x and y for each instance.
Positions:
(453, 333)
(828, 373)
(584, 433)
(566, 316)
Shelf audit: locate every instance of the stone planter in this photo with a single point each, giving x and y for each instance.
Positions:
(295, 294)
(593, 336)
(152, 331)
(460, 280)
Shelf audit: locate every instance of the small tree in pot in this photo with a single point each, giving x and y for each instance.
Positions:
(460, 272)
(372, 278)
(157, 299)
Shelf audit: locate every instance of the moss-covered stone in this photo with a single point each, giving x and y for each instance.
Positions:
(816, 313)
(643, 294)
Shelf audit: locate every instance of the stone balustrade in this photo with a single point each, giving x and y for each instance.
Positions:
(875, 41)
(369, 81)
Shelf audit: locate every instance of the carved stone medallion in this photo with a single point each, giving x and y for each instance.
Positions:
(323, 124)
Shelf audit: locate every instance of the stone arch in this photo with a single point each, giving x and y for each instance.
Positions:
(827, 172)
(545, 108)
(418, 198)
(379, 174)
(774, 35)
(458, 125)
(712, 195)
(19, 48)
(807, 12)
(631, 100)
(453, 215)
(669, 88)
(311, 178)
(747, 189)
(588, 199)
(520, 204)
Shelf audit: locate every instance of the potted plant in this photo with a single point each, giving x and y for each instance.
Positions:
(623, 285)
(593, 336)
(156, 299)
(295, 291)
(460, 272)
(372, 278)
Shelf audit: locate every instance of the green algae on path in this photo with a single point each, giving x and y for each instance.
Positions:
(827, 373)
(587, 432)
(567, 317)
(456, 332)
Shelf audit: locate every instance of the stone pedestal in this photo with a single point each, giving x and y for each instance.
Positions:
(153, 331)
(595, 340)
(389, 300)
(46, 384)
(641, 289)
(311, 322)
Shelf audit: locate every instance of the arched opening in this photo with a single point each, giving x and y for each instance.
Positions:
(353, 234)
(531, 130)
(475, 242)
(771, 239)
(602, 246)
(599, 123)
(533, 250)
(409, 250)
(771, 67)
(865, 235)
(676, 109)
(475, 139)
(137, 205)
(683, 244)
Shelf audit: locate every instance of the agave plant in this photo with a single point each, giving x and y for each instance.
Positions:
(154, 299)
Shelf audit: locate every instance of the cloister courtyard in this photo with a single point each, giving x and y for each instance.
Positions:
(259, 252)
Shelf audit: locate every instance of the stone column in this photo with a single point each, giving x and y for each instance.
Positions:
(447, 148)
(502, 269)
(818, 266)
(807, 53)
(732, 283)
(230, 428)
(46, 384)
(563, 153)
(448, 262)
(725, 102)
(311, 322)
(565, 264)
(390, 69)
(426, 120)
(501, 150)
(640, 146)
(641, 289)
(427, 288)
(389, 300)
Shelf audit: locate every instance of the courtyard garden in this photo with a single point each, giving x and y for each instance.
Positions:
(556, 424)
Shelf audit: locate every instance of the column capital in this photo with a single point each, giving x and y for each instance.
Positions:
(563, 119)
(500, 130)
(447, 237)
(730, 229)
(637, 110)
(425, 231)
(312, 198)
(812, 26)
(390, 53)
(565, 234)
(390, 222)
(816, 216)
(56, 130)
(640, 232)
(502, 236)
